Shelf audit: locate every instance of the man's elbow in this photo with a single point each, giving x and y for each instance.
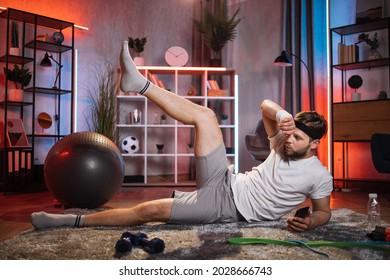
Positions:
(329, 216)
(265, 104)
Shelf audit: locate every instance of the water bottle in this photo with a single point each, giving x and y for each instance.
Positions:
(373, 212)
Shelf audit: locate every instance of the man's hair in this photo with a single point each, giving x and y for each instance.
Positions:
(316, 122)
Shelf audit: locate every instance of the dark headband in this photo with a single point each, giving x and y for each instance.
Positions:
(311, 132)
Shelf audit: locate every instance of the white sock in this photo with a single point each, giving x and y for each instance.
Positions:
(42, 220)
(131, 79)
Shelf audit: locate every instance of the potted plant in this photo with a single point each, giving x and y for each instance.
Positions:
(218, 29)
(355, 82)
(163, 119)
(138, 45)
(373, 43)
(224, 119)
(21, 78)
(14, 50)
(103, 97)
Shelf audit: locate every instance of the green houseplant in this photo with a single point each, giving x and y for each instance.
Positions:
(14, 50)
(138, 45)
(218, 29)
(103, 103)
(21, 77)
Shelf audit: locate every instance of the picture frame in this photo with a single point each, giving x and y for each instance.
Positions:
(16, 135)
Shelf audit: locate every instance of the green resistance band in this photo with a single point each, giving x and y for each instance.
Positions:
(377, 245)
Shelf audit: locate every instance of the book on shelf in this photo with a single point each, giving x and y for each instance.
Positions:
(213, 89)
(212, 84)
(19, 162)
(347, 53)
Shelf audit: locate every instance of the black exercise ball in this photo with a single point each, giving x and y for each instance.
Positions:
(84, 170)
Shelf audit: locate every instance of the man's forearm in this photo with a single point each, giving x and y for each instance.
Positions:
(319, 218)
(275, 118)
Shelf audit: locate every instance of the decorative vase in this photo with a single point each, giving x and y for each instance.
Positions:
(356, 96)
(215, 59)
(224, 122)
(160, 148)
(374, 54)
(15, 95)
(139, 61)
(215, 62)
(15, 51)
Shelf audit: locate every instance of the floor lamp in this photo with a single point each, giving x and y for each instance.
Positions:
(285, 60)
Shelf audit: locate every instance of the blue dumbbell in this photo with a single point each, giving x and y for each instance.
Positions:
(154, 246)
(134, 237)
(123, 246)
(128, 240)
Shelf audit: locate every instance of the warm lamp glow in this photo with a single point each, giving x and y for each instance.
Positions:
(79, 27)
(170, 68)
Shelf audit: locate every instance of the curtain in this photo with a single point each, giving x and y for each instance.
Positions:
(298, 43)
(305, 35)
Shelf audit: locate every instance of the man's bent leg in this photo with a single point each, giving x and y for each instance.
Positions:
(208, 134)
(151, 211)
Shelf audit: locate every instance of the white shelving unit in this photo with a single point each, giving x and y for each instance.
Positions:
(175, 165)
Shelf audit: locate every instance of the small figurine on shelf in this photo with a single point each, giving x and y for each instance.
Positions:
(382, 94)
(137, 116)
(156, 119)
(192, 91)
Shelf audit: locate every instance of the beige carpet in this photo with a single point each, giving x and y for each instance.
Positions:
(194, 242)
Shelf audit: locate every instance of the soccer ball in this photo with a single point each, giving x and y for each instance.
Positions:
(130, 145)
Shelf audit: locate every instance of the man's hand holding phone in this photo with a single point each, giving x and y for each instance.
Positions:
(301, 220)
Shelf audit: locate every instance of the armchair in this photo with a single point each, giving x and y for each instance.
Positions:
(380, 151)
(257, 144)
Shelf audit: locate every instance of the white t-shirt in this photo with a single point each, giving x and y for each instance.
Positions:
(276, 187)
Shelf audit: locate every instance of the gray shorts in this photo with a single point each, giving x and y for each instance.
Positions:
(213, 201)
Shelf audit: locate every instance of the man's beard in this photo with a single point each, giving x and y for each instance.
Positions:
(294, 155)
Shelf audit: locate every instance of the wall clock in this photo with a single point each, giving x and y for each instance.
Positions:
(176, 56)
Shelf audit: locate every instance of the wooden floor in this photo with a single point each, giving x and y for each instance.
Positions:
(15, 209)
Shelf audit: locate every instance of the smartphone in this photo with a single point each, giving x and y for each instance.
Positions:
(302, 212)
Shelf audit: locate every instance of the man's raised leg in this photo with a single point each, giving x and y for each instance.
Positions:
(208, 133)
